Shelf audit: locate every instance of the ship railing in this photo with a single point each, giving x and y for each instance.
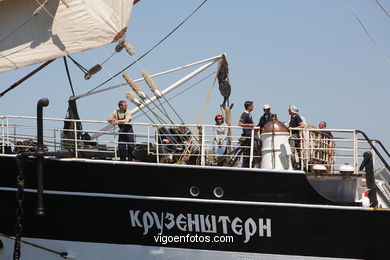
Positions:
(200, 145)
(381, 168)
(18, 133)
(343, 147)
(198, 148)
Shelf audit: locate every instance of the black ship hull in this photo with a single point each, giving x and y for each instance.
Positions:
(258, 212)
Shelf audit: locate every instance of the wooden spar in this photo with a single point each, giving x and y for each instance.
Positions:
(228, 120)
(167, 90)
(26, 77)
(41, 7)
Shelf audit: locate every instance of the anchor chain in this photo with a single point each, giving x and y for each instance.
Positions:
(20, 164)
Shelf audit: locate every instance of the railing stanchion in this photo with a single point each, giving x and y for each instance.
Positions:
(355, 147)
(7, 131)
(9, 144)
(55, 139)
(115, 145)
(148, 140)
(2, 136)
(202, 156)
(75, 139)
(251, 148)
(157, 144)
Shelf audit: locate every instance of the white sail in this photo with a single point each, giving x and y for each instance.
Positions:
(58, 30)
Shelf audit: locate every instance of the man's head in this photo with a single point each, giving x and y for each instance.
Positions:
(122, 105)
(248, 105)
(292, 110)
(267, 108)
(182, 129)
(322, 125)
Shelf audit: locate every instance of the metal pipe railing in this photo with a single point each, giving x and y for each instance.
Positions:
(348, 148)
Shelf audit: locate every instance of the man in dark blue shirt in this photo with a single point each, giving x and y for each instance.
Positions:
(246, 121)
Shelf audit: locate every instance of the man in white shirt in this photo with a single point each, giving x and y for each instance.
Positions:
(122, 118)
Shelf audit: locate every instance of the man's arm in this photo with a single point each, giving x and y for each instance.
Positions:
(127, 118)
(243, 119)
(112, 119)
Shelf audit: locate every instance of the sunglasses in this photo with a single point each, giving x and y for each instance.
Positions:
(219, 118)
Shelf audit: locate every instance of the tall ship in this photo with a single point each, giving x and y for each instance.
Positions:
(72, 188)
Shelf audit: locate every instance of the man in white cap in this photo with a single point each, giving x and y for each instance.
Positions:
(295, 122)
(266, 117)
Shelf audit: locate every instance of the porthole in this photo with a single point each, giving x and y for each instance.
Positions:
(194, 191)
(218, 192)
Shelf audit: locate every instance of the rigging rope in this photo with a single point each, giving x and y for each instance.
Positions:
(68, 74)
(206, 101)
(196, 83)
(17, 29)
(83, 69)
(65, 28)
(381, 51)
(146, 53)
(25, 77)
(383, 9)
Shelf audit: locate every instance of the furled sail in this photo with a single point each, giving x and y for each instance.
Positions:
(61, 28)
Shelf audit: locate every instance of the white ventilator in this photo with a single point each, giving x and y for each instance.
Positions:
(59, 28)
(276, 150)
(151, 84)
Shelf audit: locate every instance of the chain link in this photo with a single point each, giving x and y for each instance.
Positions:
(20, 164)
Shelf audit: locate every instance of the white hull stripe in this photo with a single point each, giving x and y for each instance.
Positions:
(103, 251)
(191, 200)
(219, 168)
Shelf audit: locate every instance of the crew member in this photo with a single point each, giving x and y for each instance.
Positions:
(246, 121)
(122, 118)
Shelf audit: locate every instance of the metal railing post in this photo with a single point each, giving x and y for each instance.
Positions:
(75, 138)
(2, 136)
(355, 152)
(202, 153)
(157, 144)
(306, 136)
(7, 131)
(115, 145)
(251, 148)
(148, 138)
(14, 135)
(55, 139)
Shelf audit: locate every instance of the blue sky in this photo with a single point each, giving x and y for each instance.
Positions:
(311, 53)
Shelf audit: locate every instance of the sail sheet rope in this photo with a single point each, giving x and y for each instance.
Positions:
(64, 28)
(68, 74)
(151, 49)
(181, 92)
(382, 7)
(381, 51)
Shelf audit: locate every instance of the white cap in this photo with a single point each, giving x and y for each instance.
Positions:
(293, 108)
(266, 106)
